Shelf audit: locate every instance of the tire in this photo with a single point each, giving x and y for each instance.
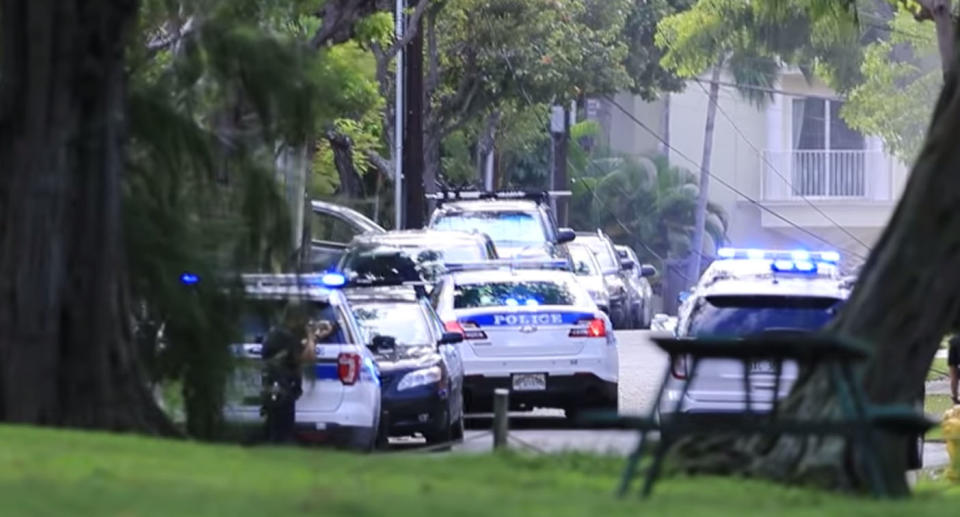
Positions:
(456, 430)
(443, 433)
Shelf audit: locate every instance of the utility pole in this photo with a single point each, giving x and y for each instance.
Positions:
(560, 138)
(413, 132)
(398, 122)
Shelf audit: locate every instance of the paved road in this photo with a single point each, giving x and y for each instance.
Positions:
(641, 368)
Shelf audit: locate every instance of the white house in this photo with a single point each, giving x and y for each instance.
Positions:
(798, 175)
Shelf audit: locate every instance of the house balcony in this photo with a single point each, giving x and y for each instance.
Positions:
(854, 188)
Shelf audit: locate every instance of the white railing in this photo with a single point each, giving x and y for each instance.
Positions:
(826, 174)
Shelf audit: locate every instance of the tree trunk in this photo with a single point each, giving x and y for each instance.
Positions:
(350, 183)
(67, 353)
(700, 215)
(941, 12)
(906, 299)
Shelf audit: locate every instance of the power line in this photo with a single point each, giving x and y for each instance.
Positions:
(778, 173)
(726, 184)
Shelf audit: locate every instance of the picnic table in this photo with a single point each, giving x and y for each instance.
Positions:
(858, 422)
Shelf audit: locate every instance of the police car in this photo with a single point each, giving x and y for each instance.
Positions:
(341, 395)
(532, 328)
(752, 292)
(520, 223)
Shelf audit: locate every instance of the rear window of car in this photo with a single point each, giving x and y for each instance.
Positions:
(500, 226)
(584, 260)
(602, 251)
(259, 316)
(515, 293)
(456, 251)
(739, 316)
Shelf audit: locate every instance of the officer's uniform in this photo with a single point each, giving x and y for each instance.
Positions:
(282, 383)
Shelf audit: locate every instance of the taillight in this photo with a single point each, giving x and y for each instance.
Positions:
(678, 367)
(593, 328)
(469, 329)
(348, 368)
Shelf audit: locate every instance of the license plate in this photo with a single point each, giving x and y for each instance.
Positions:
(529, 381)
(762, 367)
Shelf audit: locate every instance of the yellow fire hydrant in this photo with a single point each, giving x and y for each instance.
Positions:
(951, 434)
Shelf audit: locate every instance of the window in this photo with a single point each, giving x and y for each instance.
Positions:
(828, 156)
(738, 316)
(502, 227)
(403, 321)
(586, 262)
(497, 294)
(260, 316)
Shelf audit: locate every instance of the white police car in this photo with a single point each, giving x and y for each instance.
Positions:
(533, 330)
(341, 396)
(749, 293)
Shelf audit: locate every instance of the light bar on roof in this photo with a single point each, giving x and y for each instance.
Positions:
(798, 256)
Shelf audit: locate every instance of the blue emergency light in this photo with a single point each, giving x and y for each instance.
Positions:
(333, 280)
(189, 278)
(803, 260)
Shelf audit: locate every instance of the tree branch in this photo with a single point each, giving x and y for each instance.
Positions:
(413, 23)
(339, 18)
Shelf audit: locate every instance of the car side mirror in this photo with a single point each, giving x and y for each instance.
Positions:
(450, 338)
(626, 264)
(565, 235)
(383, 343)
(647, 270)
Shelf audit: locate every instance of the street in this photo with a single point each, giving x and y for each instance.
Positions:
(641, 366)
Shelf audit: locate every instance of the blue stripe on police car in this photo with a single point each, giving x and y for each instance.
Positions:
(525, 318)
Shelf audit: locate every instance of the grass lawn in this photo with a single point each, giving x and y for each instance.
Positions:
(938, 370)
(936, 405)
(47, 472)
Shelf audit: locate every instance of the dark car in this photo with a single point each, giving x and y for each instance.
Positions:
(420, 367)
(520, 226)
(615, 272)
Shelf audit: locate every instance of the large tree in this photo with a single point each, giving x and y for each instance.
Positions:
(107, 185)
(904, 301)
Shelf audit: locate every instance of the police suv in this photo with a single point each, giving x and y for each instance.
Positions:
(341, 392)
(530, 327)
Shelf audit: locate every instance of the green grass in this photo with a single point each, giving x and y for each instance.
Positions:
(48, 472)
(935, 405)
(938, 369)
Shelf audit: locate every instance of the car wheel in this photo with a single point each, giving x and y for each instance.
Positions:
(456, 431)
(442, 433)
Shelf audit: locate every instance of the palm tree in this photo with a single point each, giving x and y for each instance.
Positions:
(645, 203)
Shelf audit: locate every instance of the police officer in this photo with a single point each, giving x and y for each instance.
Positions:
(282, 377)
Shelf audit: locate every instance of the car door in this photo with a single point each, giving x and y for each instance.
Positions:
(451, 358)
(331, 227)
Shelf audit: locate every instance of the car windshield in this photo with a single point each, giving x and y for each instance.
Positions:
(259, 316)
(521, 228)
(404, 321)
(454, 251)
(515, 293)
(737, 316)
(585, 261)
(390, 264)
(600, 249)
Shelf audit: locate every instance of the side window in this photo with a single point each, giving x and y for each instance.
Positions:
(435, 295)
(329, 228)
(346, 330)
(549, 223)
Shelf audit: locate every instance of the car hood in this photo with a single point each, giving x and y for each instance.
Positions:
(407, 358)
(593, 283)
(530, 251)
